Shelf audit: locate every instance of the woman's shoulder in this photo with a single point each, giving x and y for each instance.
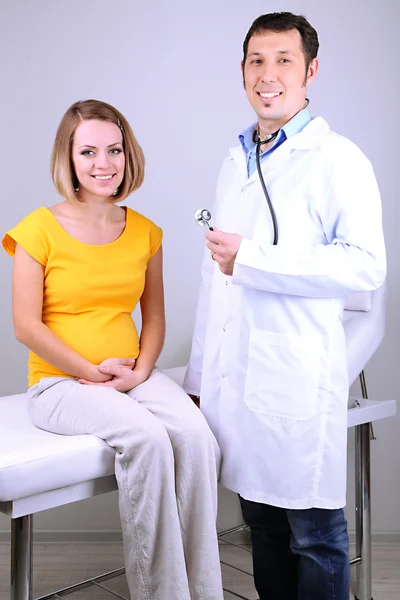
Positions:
(140, 220)
(35, 216)
(148, 229)
(36, 220)
(31, 233)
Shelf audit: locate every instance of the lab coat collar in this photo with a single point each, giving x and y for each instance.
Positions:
(308, 138)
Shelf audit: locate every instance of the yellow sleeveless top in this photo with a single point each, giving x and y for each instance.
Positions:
(89, 290)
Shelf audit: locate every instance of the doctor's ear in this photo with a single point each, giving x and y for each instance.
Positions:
(312, 71)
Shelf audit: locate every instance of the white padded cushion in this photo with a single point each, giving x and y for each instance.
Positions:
(34, 461)
(361, 301)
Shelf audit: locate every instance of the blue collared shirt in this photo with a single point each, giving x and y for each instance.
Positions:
(292, 127)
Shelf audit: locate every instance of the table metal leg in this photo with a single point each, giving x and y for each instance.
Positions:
(21, 558)
(363, 506)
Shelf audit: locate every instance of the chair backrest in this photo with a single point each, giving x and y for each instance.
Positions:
(359, 301)
(364, 325)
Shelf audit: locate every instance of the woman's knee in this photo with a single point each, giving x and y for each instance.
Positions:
(195, 429)
(196, 439)
(151, 440)
(157, 437)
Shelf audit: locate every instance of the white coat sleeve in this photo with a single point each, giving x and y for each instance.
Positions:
(353, 258)
(192, 380)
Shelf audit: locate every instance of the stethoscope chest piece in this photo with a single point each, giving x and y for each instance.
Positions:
(203, 216)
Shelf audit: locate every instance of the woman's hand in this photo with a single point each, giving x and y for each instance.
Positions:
(120, 377)
(113, 362)
(96, 376)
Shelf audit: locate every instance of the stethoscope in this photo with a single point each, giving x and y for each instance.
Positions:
(203, 215)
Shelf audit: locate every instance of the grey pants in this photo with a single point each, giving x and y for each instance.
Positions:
(166, 466)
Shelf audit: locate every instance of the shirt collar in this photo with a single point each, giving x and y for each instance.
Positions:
(295, 125)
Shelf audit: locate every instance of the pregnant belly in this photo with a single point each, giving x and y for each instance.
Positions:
(105, 336)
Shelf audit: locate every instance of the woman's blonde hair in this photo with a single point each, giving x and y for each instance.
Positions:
(62, 168)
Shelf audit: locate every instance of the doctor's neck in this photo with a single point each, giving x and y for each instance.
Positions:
(269, 126)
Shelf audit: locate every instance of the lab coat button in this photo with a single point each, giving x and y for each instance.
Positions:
(226, 282)
(224, 329)
(223, 375)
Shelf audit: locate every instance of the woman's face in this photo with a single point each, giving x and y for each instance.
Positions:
(98, 158)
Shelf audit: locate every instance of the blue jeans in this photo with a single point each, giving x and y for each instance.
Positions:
(298, 554)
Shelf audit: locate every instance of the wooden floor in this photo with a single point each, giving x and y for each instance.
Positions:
(60, 565)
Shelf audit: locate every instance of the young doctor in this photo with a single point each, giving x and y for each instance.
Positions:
(268, 355)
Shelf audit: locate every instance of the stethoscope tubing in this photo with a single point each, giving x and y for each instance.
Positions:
(257, 140)
(266, 194)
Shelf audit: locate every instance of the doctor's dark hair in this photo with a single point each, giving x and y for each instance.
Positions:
(62, 168)
(285, 21)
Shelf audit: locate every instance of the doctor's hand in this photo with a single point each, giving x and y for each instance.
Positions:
(224, 248)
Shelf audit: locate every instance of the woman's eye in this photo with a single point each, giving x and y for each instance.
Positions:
(87, 153)
(116, 151)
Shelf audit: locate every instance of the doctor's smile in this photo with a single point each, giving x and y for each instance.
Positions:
(269, 95)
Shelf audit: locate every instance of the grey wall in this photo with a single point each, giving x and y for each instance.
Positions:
(173, 68)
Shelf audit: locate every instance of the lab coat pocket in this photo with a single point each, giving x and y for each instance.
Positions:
(283, 372)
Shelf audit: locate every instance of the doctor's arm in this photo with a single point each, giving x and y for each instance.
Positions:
(353, 258)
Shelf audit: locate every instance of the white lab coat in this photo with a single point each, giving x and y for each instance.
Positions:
(268, 355)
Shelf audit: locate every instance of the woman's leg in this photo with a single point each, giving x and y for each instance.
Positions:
(144, 468)
(197, 461)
